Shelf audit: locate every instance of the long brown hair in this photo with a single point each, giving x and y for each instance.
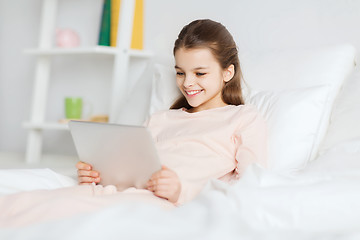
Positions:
(214, 36)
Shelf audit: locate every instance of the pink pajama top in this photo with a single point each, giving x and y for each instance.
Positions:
(217, 143)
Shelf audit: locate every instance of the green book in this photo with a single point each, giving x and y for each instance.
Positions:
(104, 36)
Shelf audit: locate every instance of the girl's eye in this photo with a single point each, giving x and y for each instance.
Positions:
(179, 73)
(200, 74)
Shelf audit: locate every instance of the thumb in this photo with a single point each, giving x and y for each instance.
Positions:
(163, 167)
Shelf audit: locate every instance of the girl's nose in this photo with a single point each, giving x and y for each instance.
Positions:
(189, 82)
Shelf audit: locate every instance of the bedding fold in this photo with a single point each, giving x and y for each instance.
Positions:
(30, 207)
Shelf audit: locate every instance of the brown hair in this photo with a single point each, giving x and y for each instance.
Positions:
(214, 36)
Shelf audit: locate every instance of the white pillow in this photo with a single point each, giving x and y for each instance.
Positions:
(345, 117)
(293, 118)
(301, 68)
(164, 90)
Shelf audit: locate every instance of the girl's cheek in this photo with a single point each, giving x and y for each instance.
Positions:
(179, 83)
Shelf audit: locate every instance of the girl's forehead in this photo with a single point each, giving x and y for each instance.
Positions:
(193, 51)
(194, 58)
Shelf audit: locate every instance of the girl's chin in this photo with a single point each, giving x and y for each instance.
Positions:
(192, 104)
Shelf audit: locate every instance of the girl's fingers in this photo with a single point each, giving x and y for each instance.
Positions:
(85, 173)
(88, 180)
(83, 166)
(162, 174)
(162, 188)
(165, 181)
(162, 195)
(163, 167)
(157, 182)
(165, 186)
(83, 183)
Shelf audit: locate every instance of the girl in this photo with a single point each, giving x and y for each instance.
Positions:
(209, 132)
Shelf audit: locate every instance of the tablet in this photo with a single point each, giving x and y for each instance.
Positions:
(124, 155)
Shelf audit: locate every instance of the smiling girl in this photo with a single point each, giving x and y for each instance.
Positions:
(208, 133)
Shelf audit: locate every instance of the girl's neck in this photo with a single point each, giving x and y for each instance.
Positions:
(194, 110)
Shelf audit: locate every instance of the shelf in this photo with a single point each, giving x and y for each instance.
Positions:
(122, 56)
(88, 50)
(46, 125)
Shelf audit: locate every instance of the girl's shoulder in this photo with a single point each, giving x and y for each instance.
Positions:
(250, 108)
(229, 111)
(244, 116)
(163, 112)
(250, 115)
(161, 115)
(246, 109)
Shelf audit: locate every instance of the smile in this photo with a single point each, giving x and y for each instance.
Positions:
(193, 92)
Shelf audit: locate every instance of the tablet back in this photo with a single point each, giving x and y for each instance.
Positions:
(124, 155)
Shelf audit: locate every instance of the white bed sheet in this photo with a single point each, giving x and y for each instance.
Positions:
(17, 180)
(321, 202)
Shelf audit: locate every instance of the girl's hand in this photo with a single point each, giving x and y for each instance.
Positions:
(86, 175)
(165, 184)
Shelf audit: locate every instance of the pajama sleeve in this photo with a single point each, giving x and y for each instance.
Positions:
(251, 141)
(189, 189)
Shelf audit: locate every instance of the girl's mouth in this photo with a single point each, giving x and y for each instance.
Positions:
(193, 93)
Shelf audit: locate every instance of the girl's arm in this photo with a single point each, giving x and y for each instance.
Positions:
(252, 142)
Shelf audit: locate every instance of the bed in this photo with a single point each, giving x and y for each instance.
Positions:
(309, 98)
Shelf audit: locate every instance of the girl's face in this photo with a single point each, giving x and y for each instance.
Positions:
(200, 78)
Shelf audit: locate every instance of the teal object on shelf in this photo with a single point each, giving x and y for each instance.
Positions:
(105, 28)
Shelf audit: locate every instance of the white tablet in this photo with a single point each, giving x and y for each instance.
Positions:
(124, 155)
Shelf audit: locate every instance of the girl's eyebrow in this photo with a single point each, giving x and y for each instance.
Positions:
(197, 68)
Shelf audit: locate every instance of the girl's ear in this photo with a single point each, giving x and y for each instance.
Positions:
(229, 73)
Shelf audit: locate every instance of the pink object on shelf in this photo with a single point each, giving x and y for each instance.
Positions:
(67, 38)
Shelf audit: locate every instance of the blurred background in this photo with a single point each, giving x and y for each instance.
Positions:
(257, 26)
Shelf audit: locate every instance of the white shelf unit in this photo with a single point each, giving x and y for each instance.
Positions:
(45, 52)
(45, 126)
(89, 50)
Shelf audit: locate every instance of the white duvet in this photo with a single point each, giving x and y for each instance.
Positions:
(321, 202)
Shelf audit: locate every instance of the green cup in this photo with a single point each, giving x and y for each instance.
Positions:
(73, 107)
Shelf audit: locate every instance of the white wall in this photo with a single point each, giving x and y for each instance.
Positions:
(257, 25)
(18, 27)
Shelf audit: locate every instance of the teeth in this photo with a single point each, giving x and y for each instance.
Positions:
(193, 92)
